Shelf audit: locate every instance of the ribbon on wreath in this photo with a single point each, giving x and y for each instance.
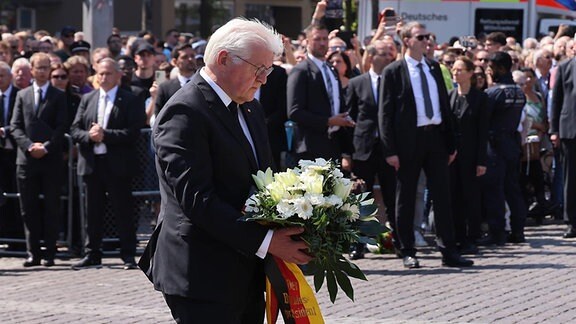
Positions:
(288, 292)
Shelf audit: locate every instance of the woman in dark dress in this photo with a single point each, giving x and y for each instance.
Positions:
(470, 117)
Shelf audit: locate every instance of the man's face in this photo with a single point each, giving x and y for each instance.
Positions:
(544, 62)
(5, 79)
(22, 76)
(482, 59)
(318, 43)
(186, 62)
(418, 43)
(334, 45)
(240, 77)
(491, 46)
(78, 75)
(127, 68)
(67, 39)
(107, 76)
(115, 44)
(144, 60)
(385, 54)
(172, 38)
(6, 56)
(41, 70)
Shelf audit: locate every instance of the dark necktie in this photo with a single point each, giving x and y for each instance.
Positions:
(329, 86)
(426, 93)
(378, 89)
(2, 112)
(39, 99)
(233, 108)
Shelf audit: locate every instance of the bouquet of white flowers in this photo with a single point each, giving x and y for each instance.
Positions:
(316, 196)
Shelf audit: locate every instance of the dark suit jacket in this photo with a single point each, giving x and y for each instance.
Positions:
(273, 100)
(46, 125)
(309, 106)
(397, 117)
(199, 249)
(364, 111)
(7, 128)
(472, 138)
(165, 91)
(563, 119)
(120, 136)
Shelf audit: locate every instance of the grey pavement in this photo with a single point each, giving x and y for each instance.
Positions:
(524, 283)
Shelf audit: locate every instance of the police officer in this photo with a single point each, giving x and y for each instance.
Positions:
(505, 103)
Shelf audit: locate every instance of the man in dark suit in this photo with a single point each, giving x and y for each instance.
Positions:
(107, 126)
(414, 125)
(183, 58)
(316, 103)
(368, 158)
(272, 97)
(38, 125)
(210, 138)
(10, 222)
(563, 119)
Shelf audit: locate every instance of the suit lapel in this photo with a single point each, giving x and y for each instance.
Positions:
(409, 92)
(223, 114)
(368, 85)
(257, 132)
(43, 103)
(319, 77)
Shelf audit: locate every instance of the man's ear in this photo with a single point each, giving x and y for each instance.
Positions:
(222, 58)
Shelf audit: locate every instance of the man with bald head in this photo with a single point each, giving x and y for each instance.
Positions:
(107, 126)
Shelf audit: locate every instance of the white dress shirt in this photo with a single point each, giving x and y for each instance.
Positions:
(100, 148)
(329, 78)
(414, 71)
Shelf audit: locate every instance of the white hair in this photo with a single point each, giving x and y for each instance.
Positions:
(20, 62)
(239, 36)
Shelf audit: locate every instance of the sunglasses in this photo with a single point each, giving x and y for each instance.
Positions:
(483, 59)
(60, 76)
(422, 37)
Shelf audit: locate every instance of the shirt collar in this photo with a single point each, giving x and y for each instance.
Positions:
(373, 74)
(221, 94)
(413, 62)
(316, 61)
(7, 92)
(111, 93)
(182, 79)
(44, 87)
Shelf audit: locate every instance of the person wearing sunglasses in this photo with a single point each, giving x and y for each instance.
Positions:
(416, 131)
(542, 60)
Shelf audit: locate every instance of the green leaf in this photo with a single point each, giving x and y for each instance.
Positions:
(351, 269)
(319, 279)
(344, 283)
(367, 210)
(372, 228)
(367, 240)
(332, 287)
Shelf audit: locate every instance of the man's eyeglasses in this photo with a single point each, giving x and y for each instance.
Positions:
(60, 76)
(337, 48)
(260, 70)
(482, 59)
(422, 37)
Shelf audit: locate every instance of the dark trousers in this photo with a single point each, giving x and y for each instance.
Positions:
(431, 155)
(569, 161)
(32, 181)
(376, 166)
(465, 188)
(10, 220)
(189, 311)
(120, 195)
(501, 185)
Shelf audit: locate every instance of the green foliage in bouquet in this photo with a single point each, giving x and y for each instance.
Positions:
(317, 197)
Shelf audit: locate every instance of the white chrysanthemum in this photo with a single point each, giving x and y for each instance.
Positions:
(315, 199)
(337, 173)
(285, 209)
(303, 207)
(354, 211)
(333, 200)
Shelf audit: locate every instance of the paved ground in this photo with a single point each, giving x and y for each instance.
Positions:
(526, 283)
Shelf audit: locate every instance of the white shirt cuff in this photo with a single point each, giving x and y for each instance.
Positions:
(263, 249)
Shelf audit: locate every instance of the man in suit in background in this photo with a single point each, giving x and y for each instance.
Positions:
(209, 139)
(10, 222)
(415, 127)
(316, 103)
(368, 158)
(183, 58)
(38, 125)
(272, 97)
(563, 119)
(107, 126)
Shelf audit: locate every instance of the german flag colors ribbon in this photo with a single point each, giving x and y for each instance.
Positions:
(288, 292)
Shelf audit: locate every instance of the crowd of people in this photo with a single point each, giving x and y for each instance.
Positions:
(467, 124)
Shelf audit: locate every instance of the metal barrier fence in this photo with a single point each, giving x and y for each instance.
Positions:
(145, 192)
(66, 196)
